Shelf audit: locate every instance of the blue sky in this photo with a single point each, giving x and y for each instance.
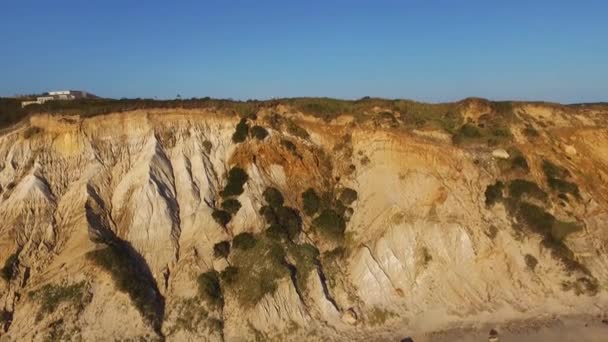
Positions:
(428, 50)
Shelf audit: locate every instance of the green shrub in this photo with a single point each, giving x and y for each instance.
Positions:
(237, 178)
(564, 187)
(273, 197)
(221, 249)
(209, 288)
(7, 272)
(277, 232)
(269, 215)
(294, 129)
(244, 241)
(519, 187)
(264, 265)
(339, 208)
(259, 132)
(330, 224)
(290, 219)
(520, 162)
(553, 171)
(311, 202)
(242, 130)
(501, 132)
(531, 261)
(207, 145)
(306, 259)
(494, 193)
(530, 132)
(469, 130)
(536, 217)
(545, 223)
(561, 229)
(229, 274)
(221, 217)
(289, 145)
(231, 205)
(51, 296)
(348, 196)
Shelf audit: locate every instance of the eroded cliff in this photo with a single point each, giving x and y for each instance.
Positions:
(200, 225)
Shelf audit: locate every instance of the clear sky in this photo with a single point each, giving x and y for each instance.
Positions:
(428, 50)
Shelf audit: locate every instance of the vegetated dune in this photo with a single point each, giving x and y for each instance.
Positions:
(376, 222)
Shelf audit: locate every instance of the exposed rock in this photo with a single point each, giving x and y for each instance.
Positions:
(349, 317)
(500, 154)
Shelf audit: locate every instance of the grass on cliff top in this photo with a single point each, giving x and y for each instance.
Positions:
(445, 115)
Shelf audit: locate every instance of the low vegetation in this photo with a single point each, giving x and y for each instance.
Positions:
(284, 222)
(244, 241)
(191, 315)
(263, 266)
(259, 132)
(229, 274)
(518, 161)
(296, 130)
(241, 132)
(493, 134)
(494, 193)
(237, 178)
(222, 217)
(207, 145)
(330, 224)
(521, 187)
(209, 288)
(348, 196)
(7, 271)
(378, 316)
(231, 206)
(311, 202)
(221, 249)
(531, 261)
(306, 258)
(556, 179)
(51, 296)
(273, 197)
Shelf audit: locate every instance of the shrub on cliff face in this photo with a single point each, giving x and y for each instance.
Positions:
(494, 193)
(221, 217)
(348, 196)
(242, 130)
(519, 187)
(290, 219)
(262, 266)
(209, 288)
(531, 261)
(273, 197)
(231, 205)
(221, 249)
(330, 223)
(555, 178)
(9, 265)
(237, 178)
(50, 296)
(311, 201)
(259, 132)
(244, 241)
